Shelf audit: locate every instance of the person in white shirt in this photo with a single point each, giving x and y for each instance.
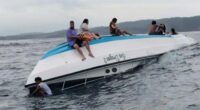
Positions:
(84, 26)
(85, 29)
(42, 89)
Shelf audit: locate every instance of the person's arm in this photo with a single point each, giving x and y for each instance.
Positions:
(113, 26)
(37, 88)
(69, 35)
(72, 37)
(157, 28)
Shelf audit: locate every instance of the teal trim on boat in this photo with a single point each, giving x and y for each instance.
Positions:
(65, 47)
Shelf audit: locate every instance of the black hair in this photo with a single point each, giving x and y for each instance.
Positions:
(164, 27)
(173, 31)
(38, 79)
(71, 21)
(114, 20)
(86, 21)
(153, 22)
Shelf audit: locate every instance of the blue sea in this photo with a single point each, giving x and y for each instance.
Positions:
(172, 83)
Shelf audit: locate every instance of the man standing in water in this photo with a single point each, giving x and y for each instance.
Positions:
(42, 89)
(74, 40)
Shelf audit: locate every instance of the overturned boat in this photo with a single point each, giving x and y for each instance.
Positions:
(62, 66)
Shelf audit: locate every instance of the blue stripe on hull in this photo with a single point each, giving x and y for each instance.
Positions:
(65, 47)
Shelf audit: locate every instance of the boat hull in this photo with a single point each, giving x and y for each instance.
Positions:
(90, 75)
(113, 55)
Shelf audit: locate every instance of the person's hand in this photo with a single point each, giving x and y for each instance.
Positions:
(80, 36)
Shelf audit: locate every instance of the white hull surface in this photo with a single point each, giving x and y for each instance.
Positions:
(113, 55)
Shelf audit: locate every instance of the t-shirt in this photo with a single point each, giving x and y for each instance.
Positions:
(69, 33)
(45, 87)
(84, 27)
(112, 30)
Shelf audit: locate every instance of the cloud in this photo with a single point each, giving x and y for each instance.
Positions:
(22, 16)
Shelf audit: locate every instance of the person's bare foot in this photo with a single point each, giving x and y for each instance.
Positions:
(83, 59)
(91, 55)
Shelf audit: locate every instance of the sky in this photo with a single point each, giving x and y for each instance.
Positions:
(28, 16)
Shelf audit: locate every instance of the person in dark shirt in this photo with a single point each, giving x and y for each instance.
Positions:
(173, 31)
(161, 29)
(114, 30)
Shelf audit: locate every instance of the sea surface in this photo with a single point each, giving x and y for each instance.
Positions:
(172, 83)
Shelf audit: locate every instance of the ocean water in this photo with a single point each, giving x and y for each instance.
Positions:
(172, 83)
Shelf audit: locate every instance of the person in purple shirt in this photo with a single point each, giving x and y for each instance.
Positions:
(74, 40)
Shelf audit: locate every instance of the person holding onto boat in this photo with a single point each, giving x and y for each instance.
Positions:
(114, 29)
(76, 40)
(173, 31)
(85, 30)
(42, 89)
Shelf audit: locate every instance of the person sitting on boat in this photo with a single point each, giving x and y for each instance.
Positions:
(173, 31)
(153, 28)
(75, 41)
(114, 29)
(161, 29)
(85, 30)
(42, 89)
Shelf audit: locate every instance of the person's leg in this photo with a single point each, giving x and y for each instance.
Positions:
(79, 51)
(86, 44)
(119, 32)
(94, 36)
(125, 32)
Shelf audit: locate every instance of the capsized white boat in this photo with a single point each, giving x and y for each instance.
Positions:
(62, 65)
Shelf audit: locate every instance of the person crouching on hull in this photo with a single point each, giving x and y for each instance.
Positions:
(76, 40)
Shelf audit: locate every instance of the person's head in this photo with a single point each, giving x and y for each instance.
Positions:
(163, 27)
(153, 22)
(38, 80)
(71, 24)
(86, 21)
(114, 20)
(173, 31)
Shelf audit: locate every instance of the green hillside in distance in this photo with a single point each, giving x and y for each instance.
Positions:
(181, 24)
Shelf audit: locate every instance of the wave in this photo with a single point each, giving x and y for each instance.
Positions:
(14, 44)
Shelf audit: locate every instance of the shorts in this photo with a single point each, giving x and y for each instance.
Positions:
(116, 32)
(155, 33)
(78, 42)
